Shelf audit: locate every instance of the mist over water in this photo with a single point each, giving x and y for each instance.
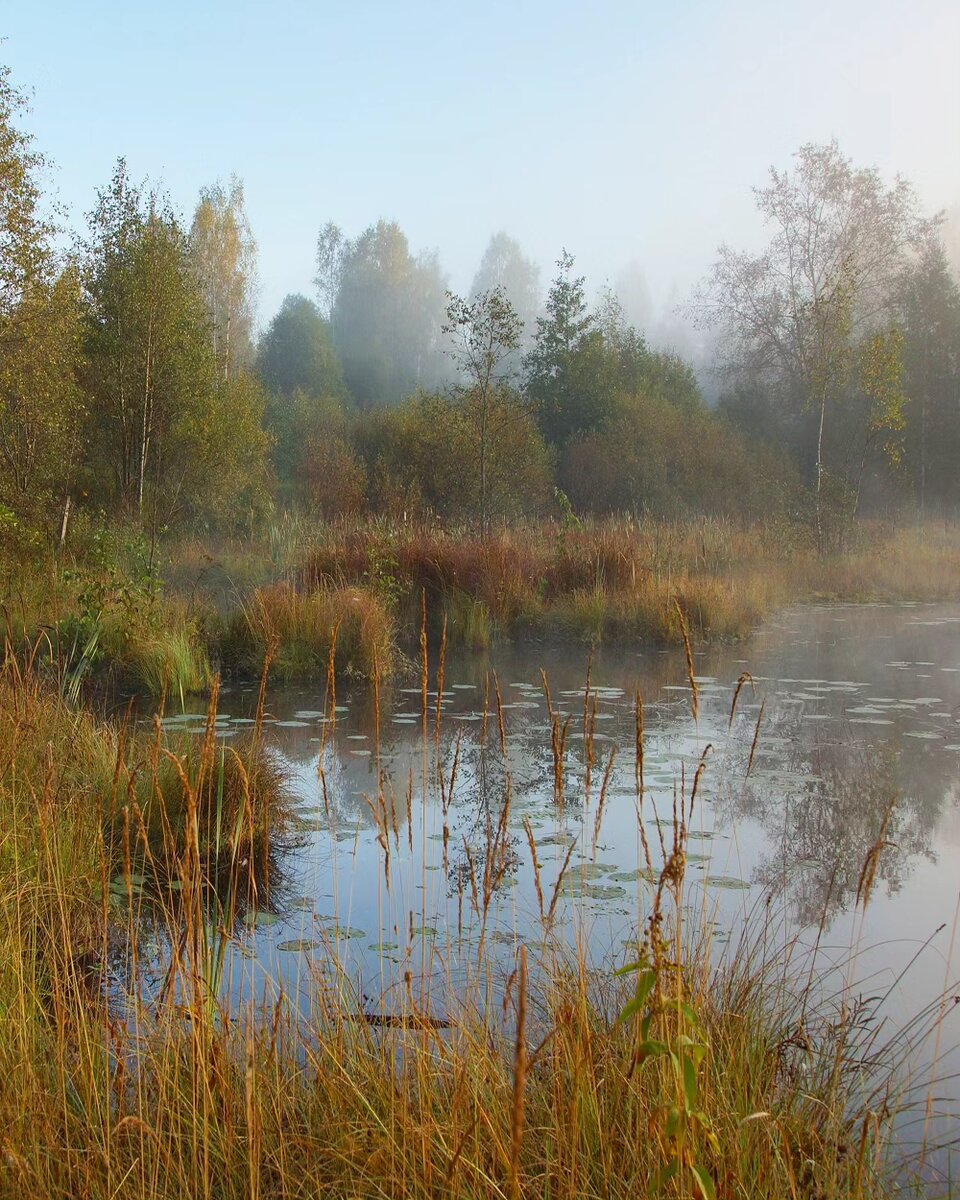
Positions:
(860, 715)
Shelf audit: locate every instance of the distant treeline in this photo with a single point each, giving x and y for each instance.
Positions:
(132, 385)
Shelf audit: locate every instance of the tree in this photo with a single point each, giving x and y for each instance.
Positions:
(41, 409)
(331, 246)
(505, 266)
(568, 372)
(794, 314)
(929, 315)
(224, 256)
(386, 310)
(40, 415)
(164, 425)
(296, 352)
(486, 332)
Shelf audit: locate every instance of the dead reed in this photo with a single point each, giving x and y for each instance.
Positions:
(689, 1073)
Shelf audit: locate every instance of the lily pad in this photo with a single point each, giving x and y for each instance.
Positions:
(261, 920)
(730, 882)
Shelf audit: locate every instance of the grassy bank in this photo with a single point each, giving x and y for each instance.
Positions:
(695, 1072)
(348, 597)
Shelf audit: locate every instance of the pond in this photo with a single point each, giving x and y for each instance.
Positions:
(848, 731)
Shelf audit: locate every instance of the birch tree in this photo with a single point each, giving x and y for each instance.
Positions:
(794, 314)
(224, 253)
(486, 332)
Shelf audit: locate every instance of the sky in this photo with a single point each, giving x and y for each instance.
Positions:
(625, 132)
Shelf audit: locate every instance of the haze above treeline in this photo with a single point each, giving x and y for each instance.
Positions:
(628, 135)
(811, 372)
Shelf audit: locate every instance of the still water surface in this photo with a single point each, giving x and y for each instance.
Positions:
(858, 708)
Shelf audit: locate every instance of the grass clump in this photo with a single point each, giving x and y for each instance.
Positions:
(620, 578)
(304, 631)
(690, 1073)
(161, 661)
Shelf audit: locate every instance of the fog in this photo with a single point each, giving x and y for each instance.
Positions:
(629, 135)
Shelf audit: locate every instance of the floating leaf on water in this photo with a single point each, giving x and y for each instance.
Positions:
(261, 920)
(382, 947)
(296, 945)
(292, 724)
(310, 824)
(727, 881)
(634, 876)
(576, 888)
(593, 870)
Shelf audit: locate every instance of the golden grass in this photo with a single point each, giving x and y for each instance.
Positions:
(349, 625)
(692, 1074)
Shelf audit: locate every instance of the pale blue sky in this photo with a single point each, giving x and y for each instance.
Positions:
(619, 130)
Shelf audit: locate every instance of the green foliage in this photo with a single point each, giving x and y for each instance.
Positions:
(569, 376)
(41, 412)
(439, 456)
(486, 337)
(296, 353)
(173, 437)
(664, 460)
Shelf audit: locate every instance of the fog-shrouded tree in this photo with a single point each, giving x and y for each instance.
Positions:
(330, 251)
(296, 352)
(635, 367)
(485, 332)
(929, 316)
(634, 293)
(505, 266)
(794, 315)
(386, 310)
(299, 367)
(224, 255)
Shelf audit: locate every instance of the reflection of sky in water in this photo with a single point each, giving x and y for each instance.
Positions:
(861, 707)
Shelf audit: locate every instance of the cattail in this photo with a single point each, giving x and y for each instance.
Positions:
(688, 651)
(528, 829)
(756, 736)
(604, 788)
(745, 678)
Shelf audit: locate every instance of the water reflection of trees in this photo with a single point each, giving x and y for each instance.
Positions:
(822, 807)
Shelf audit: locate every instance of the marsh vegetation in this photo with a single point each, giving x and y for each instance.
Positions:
(443, 755)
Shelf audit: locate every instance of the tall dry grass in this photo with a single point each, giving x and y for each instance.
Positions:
(308, 629)
(690, 1073)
